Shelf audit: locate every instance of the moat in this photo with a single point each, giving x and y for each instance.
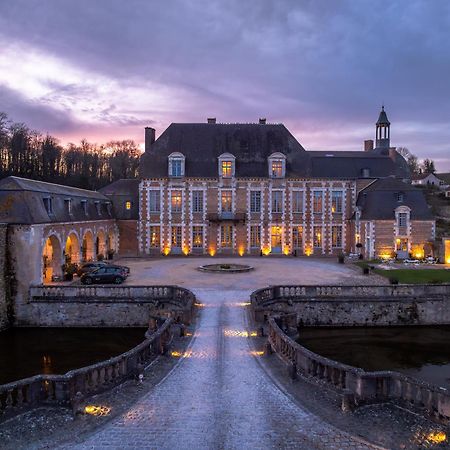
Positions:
(420, 352)
(25, 352)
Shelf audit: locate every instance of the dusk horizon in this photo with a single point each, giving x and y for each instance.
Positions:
(87, 71)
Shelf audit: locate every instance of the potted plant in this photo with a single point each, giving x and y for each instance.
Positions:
(341, 258)
(111, 253)
(69, 270)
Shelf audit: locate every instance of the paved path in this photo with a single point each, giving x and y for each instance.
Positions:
(218, 397)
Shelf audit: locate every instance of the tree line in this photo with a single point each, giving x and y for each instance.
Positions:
(417, 167)
(30, 154)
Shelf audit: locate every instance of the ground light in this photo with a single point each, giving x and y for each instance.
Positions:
(97, 410)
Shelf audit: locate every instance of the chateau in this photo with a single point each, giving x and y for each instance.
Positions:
(217, 188)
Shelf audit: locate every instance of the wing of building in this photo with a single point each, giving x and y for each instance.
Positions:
(252, 188)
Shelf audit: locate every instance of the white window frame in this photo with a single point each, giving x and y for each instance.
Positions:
(299, 193)
(229, 158)
(253, 243)
(255, 200)
(197, 201)
(277, 157)
(338, 228)
(322, 196)
(178, 157)
(279, 204)
(341, 196)
(157, 194)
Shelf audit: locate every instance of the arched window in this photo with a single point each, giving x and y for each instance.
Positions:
(176, 165)
(226, 165)
(277, 165)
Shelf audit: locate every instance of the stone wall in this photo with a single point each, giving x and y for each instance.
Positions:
(128, 242)
(101, 306)
(4, 297)
(357, 305)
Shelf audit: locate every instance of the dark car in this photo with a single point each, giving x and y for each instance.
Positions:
(89, 267)
(103, 275)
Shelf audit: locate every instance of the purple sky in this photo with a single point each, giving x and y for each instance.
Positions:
(104, 69)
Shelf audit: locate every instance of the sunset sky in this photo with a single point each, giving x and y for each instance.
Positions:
(104, 69)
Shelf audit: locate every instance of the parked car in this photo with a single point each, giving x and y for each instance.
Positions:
(90, 266)
(103, 275)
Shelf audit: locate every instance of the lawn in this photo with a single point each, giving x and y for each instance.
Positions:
(416, 276)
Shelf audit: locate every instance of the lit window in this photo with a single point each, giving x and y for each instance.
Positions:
(226, 236)
(277, 169)
(227, 169)
(277, 201)
(365, 173)
(317, 235)
(336, 202)
(297, 237)
(176, 236)
(255, 236)
(227, 201)
(255, 201)
(155, 236)
(176, 201)
(197, 236)
(128, 205)
(297, 201)
(154, 200)
(197, 201)
(317, 202)
(277, 165)
(336, 236)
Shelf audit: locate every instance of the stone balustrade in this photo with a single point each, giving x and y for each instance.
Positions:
(96, 306)
(358, 385)
(356, 305)
(65, 390)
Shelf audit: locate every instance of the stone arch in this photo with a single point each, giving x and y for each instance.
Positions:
(88, 248)
(52, 258)
(101, 243)
(72, 248)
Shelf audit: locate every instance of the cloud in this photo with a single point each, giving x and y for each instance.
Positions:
(321, 67)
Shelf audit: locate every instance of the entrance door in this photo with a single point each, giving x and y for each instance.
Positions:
(275, 239)
(402, 248)
(176, 239)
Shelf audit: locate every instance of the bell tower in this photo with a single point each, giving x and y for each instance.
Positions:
(383, 130)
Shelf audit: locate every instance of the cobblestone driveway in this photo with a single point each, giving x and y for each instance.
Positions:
(218, 397)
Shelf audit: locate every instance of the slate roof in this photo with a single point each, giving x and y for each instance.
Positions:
(379, 200)
(382, 118)
(120, 192)
(444, 177)
(22, 202)
(203, 143)
(252, 144)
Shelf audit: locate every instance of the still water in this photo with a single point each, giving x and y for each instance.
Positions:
(25, 352)
(420, 352)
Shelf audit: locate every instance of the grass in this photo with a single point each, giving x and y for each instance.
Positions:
(416, 276)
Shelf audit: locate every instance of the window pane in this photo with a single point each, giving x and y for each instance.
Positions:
(226, 236)
(297, 237)
(226, 197)
(255, 201)
(197, 236)
(336, 202)
(176, 201)
(336, 236)
(317, 237)
(277, 169)
(154, 201)
(197, 201)
(255, 236)
(176, 236)
(297, 201)
(277, 201)
(227, 169)
(317, 201)
(176, 165)
(154, 236)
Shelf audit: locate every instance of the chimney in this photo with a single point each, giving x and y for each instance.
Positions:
(368, 145)
(149, 137)
(262, 121)
(211, 120)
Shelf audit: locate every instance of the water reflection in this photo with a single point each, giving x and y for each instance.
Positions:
(25, 352)
(421, 352)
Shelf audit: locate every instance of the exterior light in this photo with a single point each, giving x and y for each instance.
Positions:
(212, 251)
(166, 251)
(241, 250)
(436, 437)
(186, 250)
(97, 410)
(256, 353)
(265, 250)
(308, 251)
(286, 250)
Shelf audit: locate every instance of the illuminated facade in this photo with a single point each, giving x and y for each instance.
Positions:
(253, 189)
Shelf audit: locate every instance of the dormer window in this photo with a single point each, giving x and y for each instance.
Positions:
(176, 165)
(128, 205)
(365, 173)
(48, 205)
(68, 203)
(277, 165)
(108, 208)
(226, 165)
(98, 208)
(400, 196)
(84, 206)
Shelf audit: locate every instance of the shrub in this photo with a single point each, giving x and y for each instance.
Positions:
(393, 280)
(341, 259)
(366, 270)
